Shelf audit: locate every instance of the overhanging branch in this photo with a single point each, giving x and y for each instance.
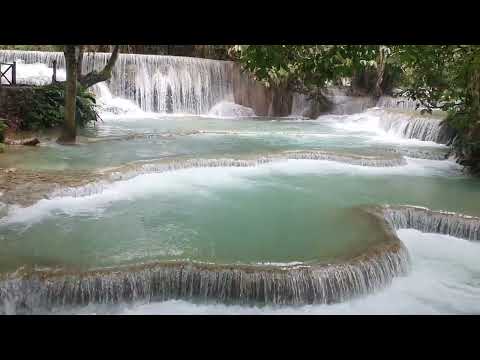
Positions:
(95, 77)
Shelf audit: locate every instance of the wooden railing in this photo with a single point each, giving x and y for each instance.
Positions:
(12, 67)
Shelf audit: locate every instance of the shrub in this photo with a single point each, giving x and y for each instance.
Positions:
(3, 127)
(46, 108)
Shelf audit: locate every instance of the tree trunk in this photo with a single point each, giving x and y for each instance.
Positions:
(80, 61)
(69, 132)
(380, 72)
(473, 89)
(468, 152)
(54, 75)
(359, 85)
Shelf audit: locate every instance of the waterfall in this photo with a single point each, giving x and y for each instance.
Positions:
(404, 103)
(244, 284)
(301, 105)
(347, 105)
(231, 110)
(429, 221)
(132, 170)
(411, 125)
(165, 84)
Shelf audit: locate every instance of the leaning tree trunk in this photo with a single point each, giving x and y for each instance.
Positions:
(73, 63)
(105, 74)
(380, 72)
(80, 60)
(69, 132)
(473, 89)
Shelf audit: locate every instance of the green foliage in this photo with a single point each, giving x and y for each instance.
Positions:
(3, 127)
(86, 107)
(46, 108)
(436, 75)
(444, 77)
(447, 77)
(309, 66)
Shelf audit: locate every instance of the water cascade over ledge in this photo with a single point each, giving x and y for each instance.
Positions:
(413, 126)
(41, 290)
(429, 221)
(165, 84)
(132, 170)
(230, 209)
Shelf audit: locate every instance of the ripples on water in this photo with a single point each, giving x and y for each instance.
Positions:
(445, 275)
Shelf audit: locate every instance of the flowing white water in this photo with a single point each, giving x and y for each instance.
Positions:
(115, 106)
(444, 279)
(36, 73)
(165, 84)
(410, 126)
(389, 102)
(426, 220)
(445, 276)
(390, 125)
(41, 74)
(301, 105)
(97, 197)
(227, 109)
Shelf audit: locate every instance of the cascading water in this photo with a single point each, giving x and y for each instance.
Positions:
(345, 104)
(35, 73)
(165, 84)
(283, 230)
(301, 105)
(131, 171)
(412, 126)
(397, 124)
(232, 110)
(280, 285)
(440, 222)
(390, 102)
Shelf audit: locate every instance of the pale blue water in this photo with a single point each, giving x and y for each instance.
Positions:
(292, 211)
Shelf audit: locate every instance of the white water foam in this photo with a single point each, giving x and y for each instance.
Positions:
(163, 84)
(361, 122)
(115, 107)
(204, 181)
(226, 109)
(444, 279)
(110, 106)
(380, 126)
(36, 73)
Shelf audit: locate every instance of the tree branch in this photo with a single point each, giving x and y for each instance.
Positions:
(95, 77)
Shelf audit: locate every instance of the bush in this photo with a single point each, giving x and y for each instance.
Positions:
(46, 108)
(3, 127)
